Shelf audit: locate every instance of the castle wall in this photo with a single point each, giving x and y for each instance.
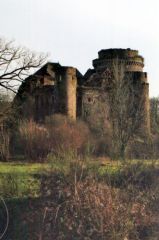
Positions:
(44, 102)
(57, 94)
(134, 67)
(53, 88)
(90, 101)
(144, 98)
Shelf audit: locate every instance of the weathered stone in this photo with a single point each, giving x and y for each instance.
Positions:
(59, 89)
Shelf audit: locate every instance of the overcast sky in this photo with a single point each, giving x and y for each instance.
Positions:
(73, 31)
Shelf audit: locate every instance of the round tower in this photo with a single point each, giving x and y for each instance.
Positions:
(133, 61)
(133, 65)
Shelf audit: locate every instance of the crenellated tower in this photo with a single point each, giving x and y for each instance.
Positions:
(60, 89)
(133, 65)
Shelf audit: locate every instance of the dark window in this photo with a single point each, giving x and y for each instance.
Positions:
(89, 99)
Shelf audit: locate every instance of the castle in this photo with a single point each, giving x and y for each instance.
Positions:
(60, 89)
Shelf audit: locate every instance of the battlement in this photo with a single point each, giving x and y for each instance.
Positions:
(131, 58)
(117, 52)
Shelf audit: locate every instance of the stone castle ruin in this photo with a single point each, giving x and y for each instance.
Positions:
(60, 89)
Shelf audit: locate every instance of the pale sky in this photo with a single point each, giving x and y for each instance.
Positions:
(73, 31)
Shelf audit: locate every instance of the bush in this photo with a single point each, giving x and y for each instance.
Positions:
(61, 162)
(140, 175)
(92, 207)
(67, 136)
(34, 140)
(58, 136)
(92, 210)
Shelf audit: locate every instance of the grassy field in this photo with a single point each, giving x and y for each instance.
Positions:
(22, 180)
(19, 180)
(23, 168)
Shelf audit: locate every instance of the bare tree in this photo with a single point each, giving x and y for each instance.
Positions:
(125, 106)
(154, 114)
(16, 64)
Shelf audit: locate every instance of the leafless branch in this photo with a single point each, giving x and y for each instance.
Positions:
(16, 63)
(125, 107)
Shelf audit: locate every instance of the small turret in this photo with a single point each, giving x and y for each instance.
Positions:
(70, 90)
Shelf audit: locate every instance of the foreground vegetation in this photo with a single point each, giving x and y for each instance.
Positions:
(82, 200)
(19, 179)
(56, 186)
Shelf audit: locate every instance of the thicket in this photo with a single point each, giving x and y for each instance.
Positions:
(57, 136)
(60, 135)
(84, 200)
(92, 202)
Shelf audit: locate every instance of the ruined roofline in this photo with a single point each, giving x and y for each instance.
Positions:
(58, 65)
(118, 49)
(55, 65)
(121, 53)
(44, 68)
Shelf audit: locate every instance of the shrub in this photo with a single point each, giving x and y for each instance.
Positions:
(58, 136)
(61, 161)
(140, 148)
(140, 175)
(92, 210)
(34, 140)
(66, 135)
(103, 145)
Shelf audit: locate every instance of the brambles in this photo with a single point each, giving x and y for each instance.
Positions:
(89, 200)
(94, 209)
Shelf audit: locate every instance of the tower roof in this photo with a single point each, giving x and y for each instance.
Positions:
(118, 52)
(131, 57)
